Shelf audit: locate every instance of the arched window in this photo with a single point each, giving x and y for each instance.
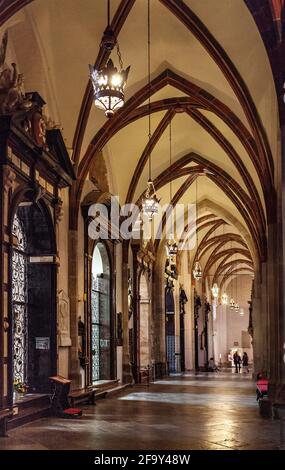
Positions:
(100, 314)
(19, 301)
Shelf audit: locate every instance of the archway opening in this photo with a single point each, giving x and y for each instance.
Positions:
(100, 315)
(231, 325)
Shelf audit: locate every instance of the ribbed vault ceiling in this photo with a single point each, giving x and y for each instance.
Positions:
(210, 77)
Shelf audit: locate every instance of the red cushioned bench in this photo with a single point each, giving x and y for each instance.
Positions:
(261, 388)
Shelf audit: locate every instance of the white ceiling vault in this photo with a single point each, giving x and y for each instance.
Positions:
(211, 76)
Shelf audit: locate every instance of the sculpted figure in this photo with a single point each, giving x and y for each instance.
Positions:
(12, 96)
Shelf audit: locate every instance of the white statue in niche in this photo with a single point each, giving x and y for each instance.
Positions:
(64, 319)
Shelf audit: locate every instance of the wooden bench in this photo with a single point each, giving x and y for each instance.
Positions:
(85, 394)
(4, 416)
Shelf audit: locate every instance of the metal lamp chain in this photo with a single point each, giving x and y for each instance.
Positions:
(197, 240)
(149, 86)
(119, 56)
(108, 12)
(170, 156)
(117, 43)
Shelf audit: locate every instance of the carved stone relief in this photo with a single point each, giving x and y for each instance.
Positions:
(9, 177)
(12, 96)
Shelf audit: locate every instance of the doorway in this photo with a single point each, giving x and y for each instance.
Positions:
(100, 315)
(32, 298)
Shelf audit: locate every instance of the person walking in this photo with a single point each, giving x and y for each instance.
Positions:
(245, 362)
(237, 362)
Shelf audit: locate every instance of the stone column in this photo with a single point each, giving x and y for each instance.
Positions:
(74, 366)
(7, 177)
(257, 325)
(177, 327)
(273, 309)
(280, 391)
(158, 307)
(127, 372)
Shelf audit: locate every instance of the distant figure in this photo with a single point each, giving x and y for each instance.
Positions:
(237, 362)
(212, 366)
(245, 362)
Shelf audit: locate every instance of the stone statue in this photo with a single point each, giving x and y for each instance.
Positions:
(39, 129)
(63, 324)
(64, 319)
(12, 97)
(58, 211)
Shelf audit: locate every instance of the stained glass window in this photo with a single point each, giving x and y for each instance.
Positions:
(19, 299)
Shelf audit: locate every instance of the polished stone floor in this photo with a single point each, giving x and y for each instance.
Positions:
(193, 412)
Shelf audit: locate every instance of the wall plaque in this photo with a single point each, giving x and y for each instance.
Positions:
(42, 342)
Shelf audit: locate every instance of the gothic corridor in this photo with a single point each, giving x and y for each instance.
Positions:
(142, 206)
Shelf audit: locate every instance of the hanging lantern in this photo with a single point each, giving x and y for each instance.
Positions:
(171, 246)
(236, 307)
(109, 82)
(150, 202)
(215, 290)
(232, 304)
(197, 271)
(225, 299)
(241, 312)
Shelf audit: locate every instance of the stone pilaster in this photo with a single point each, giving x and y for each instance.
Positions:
(272, 310)
(127, 371)
(158, 308)
(8, 177)
(177, 327)
(74, 367)
(280, 346)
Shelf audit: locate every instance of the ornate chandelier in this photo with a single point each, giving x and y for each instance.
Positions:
(236, 307)
(225, 299)
(109, 82)
(215, 290)
(150, 201)
(232, 304)
(197, 271)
